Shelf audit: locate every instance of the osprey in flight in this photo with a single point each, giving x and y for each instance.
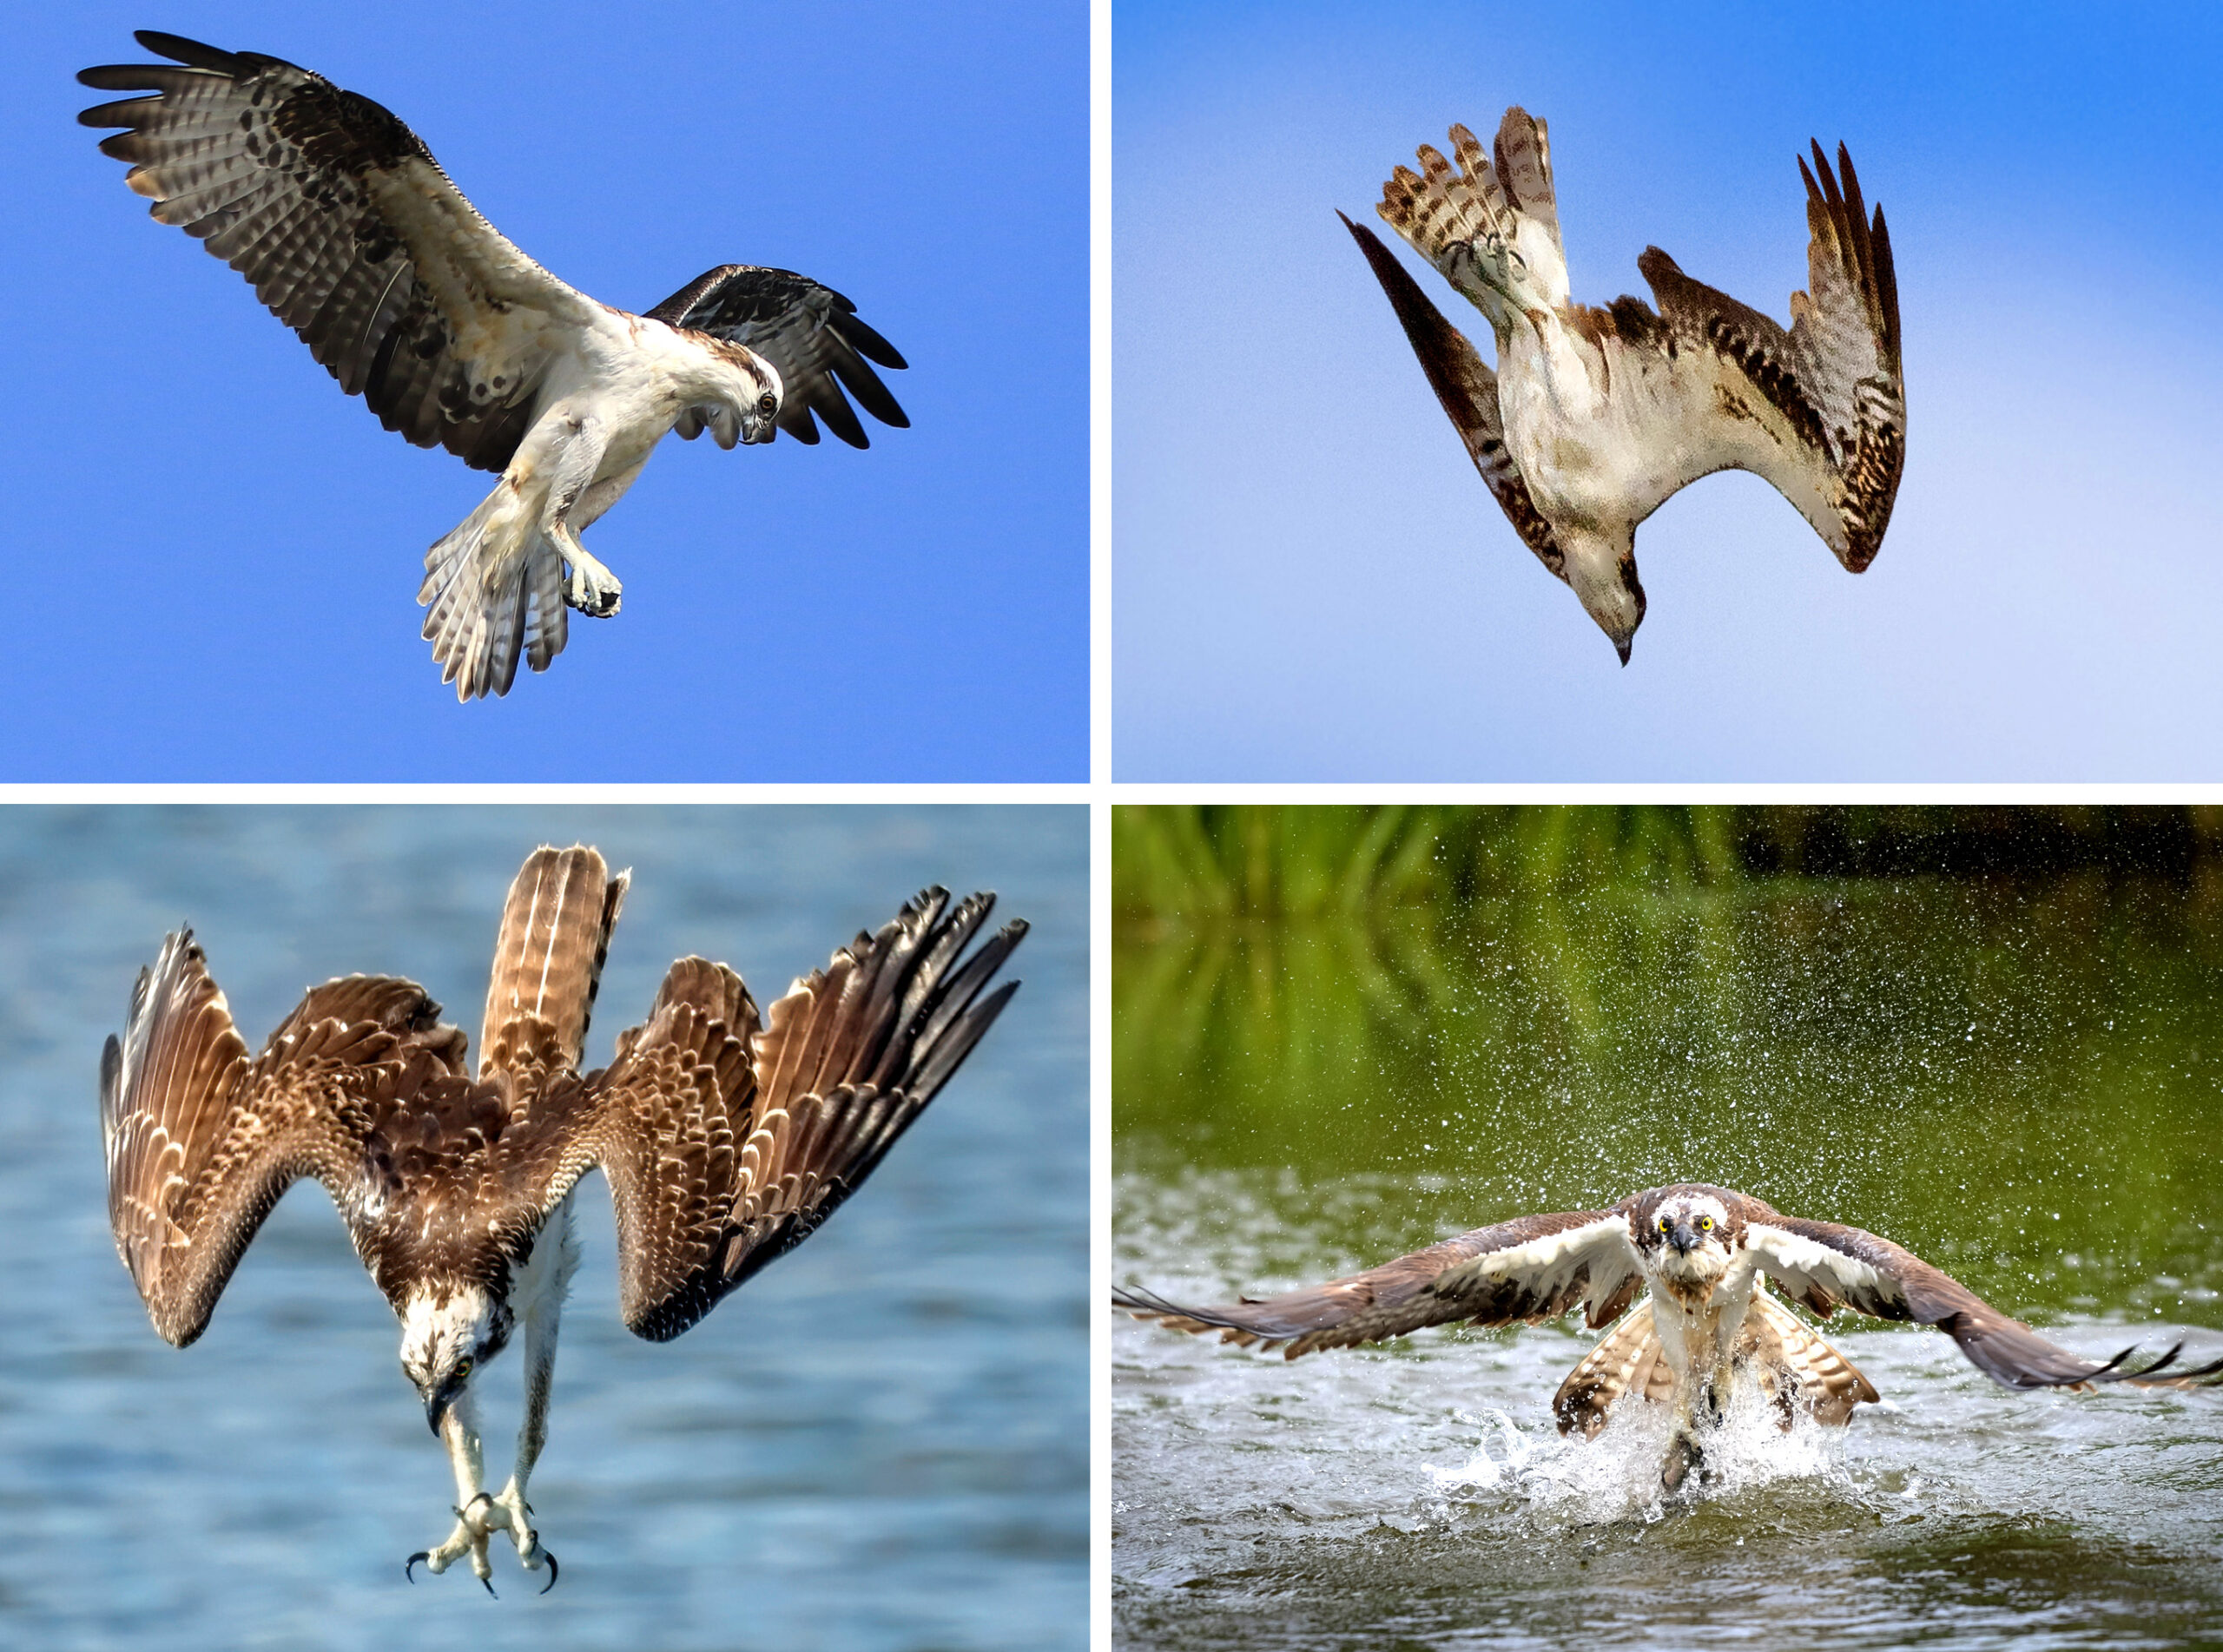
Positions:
(726, 1136)
(1594, 418)
(355, 239)
(1701, 1253)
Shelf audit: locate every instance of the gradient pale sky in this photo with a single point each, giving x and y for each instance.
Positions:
(217, 554)
(1311, 583)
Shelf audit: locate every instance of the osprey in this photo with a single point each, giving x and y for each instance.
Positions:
(354, 237)
(1594, 418)
(726, 1136)
(1702, 1255)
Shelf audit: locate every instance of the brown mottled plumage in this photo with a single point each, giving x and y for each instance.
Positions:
(1596, 415)
(726, 1138)
(1699, 1252)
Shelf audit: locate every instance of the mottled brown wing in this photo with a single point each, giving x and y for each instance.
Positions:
(809, 332)
(1819, 411)
(1527, 1270)
(201, 1141)
(1825, 1266)
(1467, 389)
(350, 234)
(726, 1146)
(548, 958)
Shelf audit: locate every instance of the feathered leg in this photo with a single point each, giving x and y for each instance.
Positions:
(459, 1433)
(507, 1509)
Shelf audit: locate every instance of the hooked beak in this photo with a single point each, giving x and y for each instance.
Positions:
(1684, 1238)
(435, 1409)
(1622, 647)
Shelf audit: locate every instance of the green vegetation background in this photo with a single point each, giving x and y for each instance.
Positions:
(1994, 1034)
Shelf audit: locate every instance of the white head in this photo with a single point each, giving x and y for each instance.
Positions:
(743, 400)
(1688, 1235)
(1603, 574)
(447, 1331)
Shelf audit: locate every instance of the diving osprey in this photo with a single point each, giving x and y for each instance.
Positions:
(1595, 416)
(354, 238)
(1701, 1253)
(726, 1137)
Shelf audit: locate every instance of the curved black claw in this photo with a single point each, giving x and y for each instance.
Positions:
(409, 1566)
(489, 1584)
(550, 1583)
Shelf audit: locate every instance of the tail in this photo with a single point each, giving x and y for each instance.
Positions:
(1796, 1369)
(489, 605)
(548, 959)
(1441, 210)
(1627, 1360)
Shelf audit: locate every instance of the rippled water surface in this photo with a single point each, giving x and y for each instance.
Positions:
(2019, 1082)
(880, 1443)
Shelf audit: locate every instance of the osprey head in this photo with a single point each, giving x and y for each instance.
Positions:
(447, 1331)
(1687, 1235)
(747, 408)
(1603, 572)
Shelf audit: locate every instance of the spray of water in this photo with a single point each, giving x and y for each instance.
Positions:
(1615, 1478)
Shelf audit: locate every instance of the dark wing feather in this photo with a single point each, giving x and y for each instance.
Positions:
(726, 1146)
(350, 234)
(1825, 1266)
(201, 1141)
(1523, 1271)
(810, 333)
(1819, 411)
(1467, 389)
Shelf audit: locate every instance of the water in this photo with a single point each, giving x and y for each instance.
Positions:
(2020, 1082)
(880, 1443)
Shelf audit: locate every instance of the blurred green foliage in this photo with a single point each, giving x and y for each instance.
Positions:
(2006, 1051)
(1194, 859)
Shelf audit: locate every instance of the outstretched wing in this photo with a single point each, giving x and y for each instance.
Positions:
(1823, 1265)
(726, 1146)
(1819, 411)
(201, 1141)
(1467, 391)
(809, 332)
(1528, 1270)
(350, 232)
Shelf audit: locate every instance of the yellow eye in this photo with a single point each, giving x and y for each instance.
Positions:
(1706, 1224)
(767, 404)
(1663, 1224)
(463, 1366)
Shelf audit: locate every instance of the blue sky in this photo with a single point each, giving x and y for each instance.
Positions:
(1311, 583)
(217, 553)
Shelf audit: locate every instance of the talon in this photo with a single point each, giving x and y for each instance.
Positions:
(488, 1584)
(551, 1572)
(408, 1566)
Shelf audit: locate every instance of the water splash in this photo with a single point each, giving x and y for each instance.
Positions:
(1614, 1478)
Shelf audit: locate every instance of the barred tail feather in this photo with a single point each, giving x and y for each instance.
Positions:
(548, 957)
(488, 602)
